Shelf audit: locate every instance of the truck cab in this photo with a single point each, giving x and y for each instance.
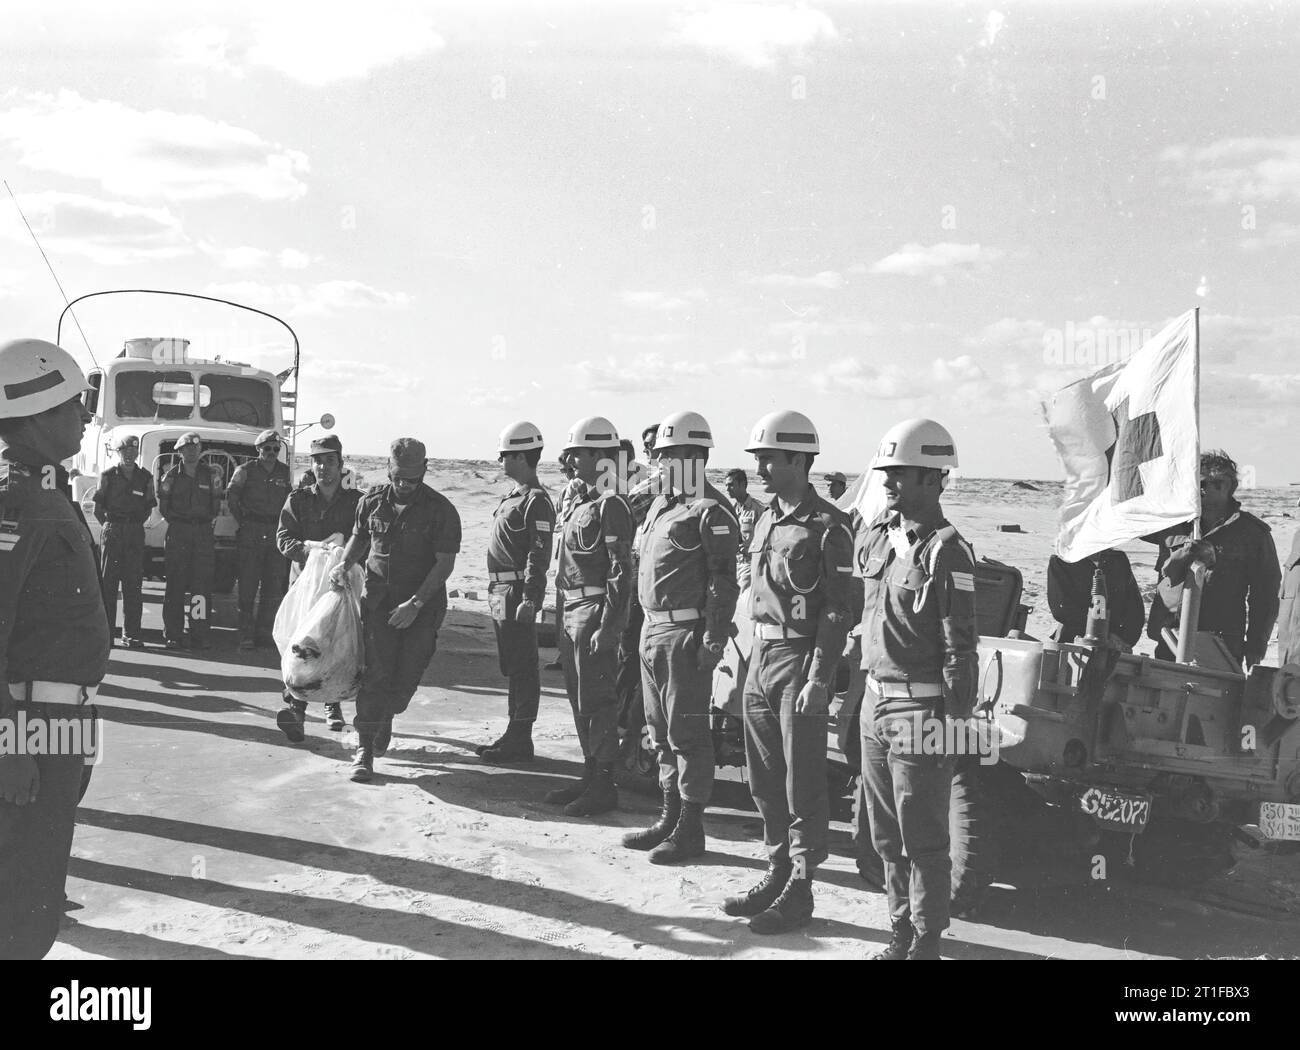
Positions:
(156, 390)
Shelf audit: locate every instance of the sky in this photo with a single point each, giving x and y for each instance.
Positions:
(483, 212)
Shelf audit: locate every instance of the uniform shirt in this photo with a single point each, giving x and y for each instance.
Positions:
(120, 499)
(918, 616)
(643, 494)
(1239, 602)
(1288, 620)
(307, 516)
(687, 551)
(257, 494)
(52, 622)
(523, 526)
(596, 551)
(1069, 596)
(401, 548)
(186, 498)
(800, 567)
(747, 512)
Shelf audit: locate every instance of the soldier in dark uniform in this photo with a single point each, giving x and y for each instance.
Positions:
(518, 553)
(189, 497)
(256, 496)
(408, 535)
(122, 503)
(327, 507)
(54, 638)
(594, 579)
(919, 641)
(1239, 602)
(687, 586)
(801, 561)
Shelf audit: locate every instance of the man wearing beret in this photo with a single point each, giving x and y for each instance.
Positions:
(408, 536)
(312, 514)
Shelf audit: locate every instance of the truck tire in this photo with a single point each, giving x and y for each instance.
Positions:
(973, 839)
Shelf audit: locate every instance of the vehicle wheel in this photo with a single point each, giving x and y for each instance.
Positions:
(224, 575)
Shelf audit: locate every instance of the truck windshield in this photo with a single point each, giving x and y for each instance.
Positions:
(236, 399)
(154, 395)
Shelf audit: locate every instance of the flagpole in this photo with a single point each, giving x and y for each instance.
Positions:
(1191, 608)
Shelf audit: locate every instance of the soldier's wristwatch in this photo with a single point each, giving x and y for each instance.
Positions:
(416, 602)
(713, 647)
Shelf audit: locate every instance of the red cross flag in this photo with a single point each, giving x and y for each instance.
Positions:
(1127, 437)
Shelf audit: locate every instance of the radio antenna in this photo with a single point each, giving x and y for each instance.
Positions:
(50, 267)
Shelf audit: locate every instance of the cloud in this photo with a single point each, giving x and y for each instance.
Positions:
(293, 259)
(916, 260)
(328, 297)
(660, 301)
(1231, 171)
(249, 258)
(208, 47)
(828, 327)
(646, 371)
(757, 35)
(478, 397)
(956, 377)
(349, 375)
(764, 362)
(827, 279)
(318, 43)
(993, 22)
(1275, 235)
(110, 233)
(153, 154)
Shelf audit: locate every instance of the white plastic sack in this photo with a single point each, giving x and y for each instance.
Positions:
(318, 632)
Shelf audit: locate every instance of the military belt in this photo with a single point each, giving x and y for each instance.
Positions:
(655, 616)
(898, 690)
(771, 632)
(56, 693)
(572, 594)
(511, 577)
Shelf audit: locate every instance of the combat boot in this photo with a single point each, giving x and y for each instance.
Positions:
(790, 911)
(686, 840)
(900, 940)
(600, 797)
(515, 746)
(563, 796)
(758, 898)
(291, 718)
(495, 743)
(363, 766)
(925, 946)
(334, 717)
(649, 838)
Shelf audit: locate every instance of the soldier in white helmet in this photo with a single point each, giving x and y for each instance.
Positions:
(687, 586)
(257, 493)
(919, 643)
(54, 637)
(595, 581)
(518, 553)
(801, 565)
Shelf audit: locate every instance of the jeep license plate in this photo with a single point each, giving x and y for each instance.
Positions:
(1279, 820)
(1116, 809)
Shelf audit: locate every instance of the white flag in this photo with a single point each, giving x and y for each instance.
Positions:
(1127, 438)
(867, 496)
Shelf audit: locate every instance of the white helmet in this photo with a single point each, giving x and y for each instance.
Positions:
(785, 431)
(916, 443)
(684, 428)
(36, 376)
(592, 432)
(520, 437)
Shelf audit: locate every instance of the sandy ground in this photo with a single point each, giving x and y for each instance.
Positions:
(205, 834)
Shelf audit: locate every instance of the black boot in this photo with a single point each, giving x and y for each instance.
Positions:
(790, 911)
(495, 743)
(291, 719)
(334, 717)
(600, 797)
(759, 898)
(563, 796)
(515, 746)
(686, 840)
(649, 838)
(925, 946)
(900, 941)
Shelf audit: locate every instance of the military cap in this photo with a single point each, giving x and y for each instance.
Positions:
(329, 443)
(406, 458)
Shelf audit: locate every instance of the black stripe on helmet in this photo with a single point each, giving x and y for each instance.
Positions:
(33, 386)
(936, 450)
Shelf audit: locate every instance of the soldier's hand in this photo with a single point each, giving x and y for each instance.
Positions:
(20, 780)
(813, 699)
(526, 613)
(706, 659)
(403, 616)
(852, 648)
(603, 640)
